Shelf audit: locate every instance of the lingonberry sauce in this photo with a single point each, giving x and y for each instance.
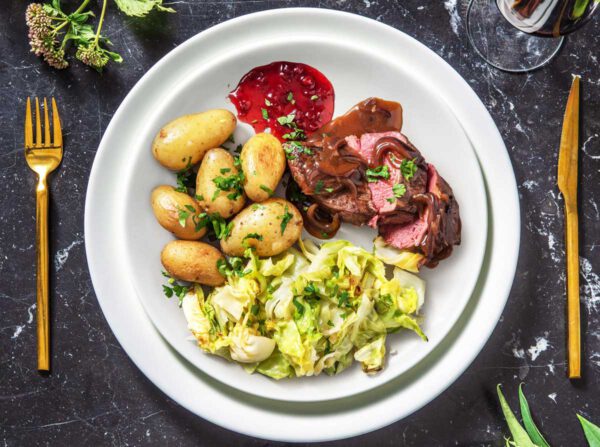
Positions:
(291, 99)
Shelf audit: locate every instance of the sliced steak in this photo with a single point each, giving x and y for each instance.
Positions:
(361, 169)
(340, 195)
(438, 227)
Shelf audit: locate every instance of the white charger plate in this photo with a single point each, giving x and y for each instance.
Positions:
(428, 122)
(112, 271)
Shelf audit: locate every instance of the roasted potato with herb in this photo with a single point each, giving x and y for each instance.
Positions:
(219, 184)
(193, 261)
(263, 163)
(271, 227)
(177, 212)
(185, 140)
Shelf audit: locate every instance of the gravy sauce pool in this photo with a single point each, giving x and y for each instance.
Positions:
(372, 115)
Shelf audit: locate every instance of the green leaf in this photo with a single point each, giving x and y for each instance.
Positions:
(591, 431)
(530, 426)
(518, 432)
(140, 8)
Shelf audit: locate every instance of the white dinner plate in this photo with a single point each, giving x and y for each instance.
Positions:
(123, 278)
(172, 90)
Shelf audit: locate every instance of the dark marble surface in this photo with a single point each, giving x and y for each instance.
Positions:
(95, 394)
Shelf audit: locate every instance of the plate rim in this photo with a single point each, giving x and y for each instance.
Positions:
(283, 391)
(511, 227)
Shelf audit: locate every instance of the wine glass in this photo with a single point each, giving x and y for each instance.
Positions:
(523, 35)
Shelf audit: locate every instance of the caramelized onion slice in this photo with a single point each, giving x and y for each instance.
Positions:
(320, 223)
(386, 145)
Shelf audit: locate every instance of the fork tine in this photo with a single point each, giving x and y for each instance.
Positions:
(28, 125)
(38, 124)
(47, 141)
(56, 124)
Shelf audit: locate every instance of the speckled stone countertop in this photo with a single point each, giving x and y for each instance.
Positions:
(97, 396)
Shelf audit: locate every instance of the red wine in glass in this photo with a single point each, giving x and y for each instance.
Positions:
(548, 18)
(524, 35)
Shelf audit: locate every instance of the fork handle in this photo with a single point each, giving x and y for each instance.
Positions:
(43, 308)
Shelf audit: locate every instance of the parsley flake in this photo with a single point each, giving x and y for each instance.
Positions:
(378, 173)
(408, 168)
(319, 187)
(266, 189)
(285, 219)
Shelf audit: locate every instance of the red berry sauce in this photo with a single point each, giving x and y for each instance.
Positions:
(284, 89)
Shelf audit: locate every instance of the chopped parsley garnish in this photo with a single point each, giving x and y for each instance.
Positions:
(254, 309)
(289, 152)
(329, 189)
(185, 178)
(311, 289)
(257, 206)
(265, 114)
(408, 168)
(256, 236)
(292, 146)
(399, 190)
(266, 189)
(344, 299)
(232, 266)
(299, 307)
(183, 214)
(314, 97)
(319, 186)
(199, 197)
(297, 134)
(267, 102)
(285, 219)
(218, 224)
(174, 288)
(225, 170)
(330, 323)
(290, 98)
(233, 183)
(378, 173)
(286, 120)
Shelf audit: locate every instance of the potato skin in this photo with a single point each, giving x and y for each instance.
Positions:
(214, 161)
(186, 139)
(192, 261)
(264, 219)
(263, 163)
(166, 203)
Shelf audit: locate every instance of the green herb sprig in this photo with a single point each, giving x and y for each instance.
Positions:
(528, 434)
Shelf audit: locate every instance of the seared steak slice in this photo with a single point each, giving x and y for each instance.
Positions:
(352, 203)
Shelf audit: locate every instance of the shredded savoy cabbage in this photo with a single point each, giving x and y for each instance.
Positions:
(305, 312)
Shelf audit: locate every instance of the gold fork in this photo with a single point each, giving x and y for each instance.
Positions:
(43, 157)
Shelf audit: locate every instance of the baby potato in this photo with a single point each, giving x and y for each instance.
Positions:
(172, 208)
(271, 227)
(219, 184)
(192, 261)
(263, 163)
(186, 139)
